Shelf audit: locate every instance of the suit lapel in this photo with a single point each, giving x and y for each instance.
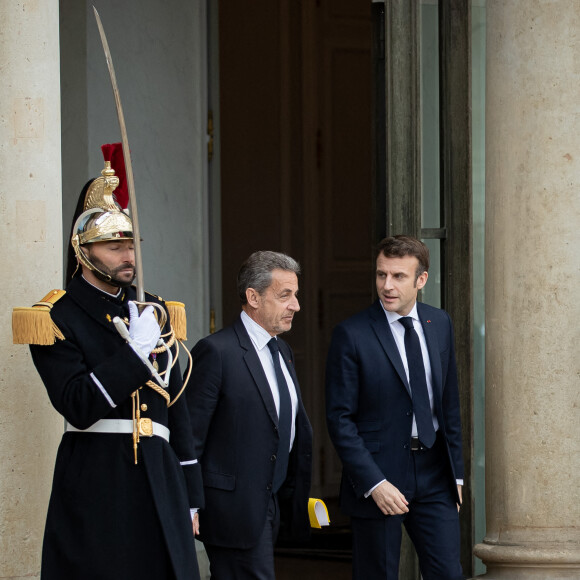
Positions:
(432, 341)
(255, 367)
(380, 325)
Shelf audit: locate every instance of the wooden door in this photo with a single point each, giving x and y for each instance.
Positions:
(338, 137)
(295, 138)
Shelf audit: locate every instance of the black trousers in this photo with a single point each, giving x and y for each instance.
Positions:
(256, 563)
(432, 523)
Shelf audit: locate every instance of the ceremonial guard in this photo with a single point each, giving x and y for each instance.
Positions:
(126, 483)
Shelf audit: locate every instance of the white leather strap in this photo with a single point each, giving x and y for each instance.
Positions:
(119, 426)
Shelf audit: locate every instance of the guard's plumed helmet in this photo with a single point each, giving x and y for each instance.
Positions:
(103, 218)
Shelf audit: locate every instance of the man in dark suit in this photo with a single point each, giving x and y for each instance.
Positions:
(250, 428)
(393, 415)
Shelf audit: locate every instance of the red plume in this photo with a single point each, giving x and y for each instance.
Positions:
(113, 152)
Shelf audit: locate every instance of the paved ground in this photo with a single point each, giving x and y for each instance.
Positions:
(291, 568)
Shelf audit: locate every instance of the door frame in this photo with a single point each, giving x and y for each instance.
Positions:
(397, 176)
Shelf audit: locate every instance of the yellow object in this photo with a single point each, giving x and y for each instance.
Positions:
(100, 191)
(34, 325)
(317, 513)
(145, 427)
(159, 390)
(178, 319)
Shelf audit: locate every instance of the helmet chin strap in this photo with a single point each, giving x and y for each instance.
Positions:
(84, 260)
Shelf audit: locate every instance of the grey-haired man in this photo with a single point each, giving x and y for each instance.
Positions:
(250, 428)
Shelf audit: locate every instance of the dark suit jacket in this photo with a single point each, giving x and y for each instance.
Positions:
(369, 406)
(234, 423)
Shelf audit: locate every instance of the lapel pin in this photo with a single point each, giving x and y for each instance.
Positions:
(428, 321)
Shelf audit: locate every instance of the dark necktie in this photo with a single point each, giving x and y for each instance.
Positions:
(418, 383)
(284, 419)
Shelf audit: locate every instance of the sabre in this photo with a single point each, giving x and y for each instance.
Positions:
(128, 167)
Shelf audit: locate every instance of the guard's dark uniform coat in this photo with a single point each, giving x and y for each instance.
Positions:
(107, 517)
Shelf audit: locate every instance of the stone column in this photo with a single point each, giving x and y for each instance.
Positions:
(30, 266)
(532, 299)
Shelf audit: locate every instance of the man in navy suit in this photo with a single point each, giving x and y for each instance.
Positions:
(393, 415)
(252, 434)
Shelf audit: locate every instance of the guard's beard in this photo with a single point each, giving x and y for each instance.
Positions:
(110, 275)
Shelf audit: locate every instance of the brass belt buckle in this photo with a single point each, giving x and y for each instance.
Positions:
(145, 427)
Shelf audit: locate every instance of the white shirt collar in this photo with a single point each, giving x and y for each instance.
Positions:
(259, 336)
(393, 316)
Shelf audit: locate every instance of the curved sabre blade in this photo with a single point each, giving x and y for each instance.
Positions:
(128, 166)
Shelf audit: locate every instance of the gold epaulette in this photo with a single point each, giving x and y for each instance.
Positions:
(178, 318)
(34, 325)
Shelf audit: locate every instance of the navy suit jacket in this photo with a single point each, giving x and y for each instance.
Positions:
(235, 429)
(369, 405)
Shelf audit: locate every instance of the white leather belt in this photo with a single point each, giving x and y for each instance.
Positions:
(147, 428)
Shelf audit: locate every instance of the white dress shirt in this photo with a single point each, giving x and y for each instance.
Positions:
(260, 339)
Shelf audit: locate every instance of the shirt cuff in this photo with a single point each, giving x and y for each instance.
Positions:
(374, 487)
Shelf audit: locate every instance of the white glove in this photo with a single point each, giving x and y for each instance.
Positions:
(144, 330)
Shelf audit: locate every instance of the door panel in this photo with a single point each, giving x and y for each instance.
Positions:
(295, 98)
(344, 186)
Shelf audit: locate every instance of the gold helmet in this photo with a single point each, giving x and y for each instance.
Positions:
(102, 219)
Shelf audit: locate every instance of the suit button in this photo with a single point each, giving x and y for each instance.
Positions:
(275, 429)
(409, 413)
(273, 458)
(406, 446)
(269, 487)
